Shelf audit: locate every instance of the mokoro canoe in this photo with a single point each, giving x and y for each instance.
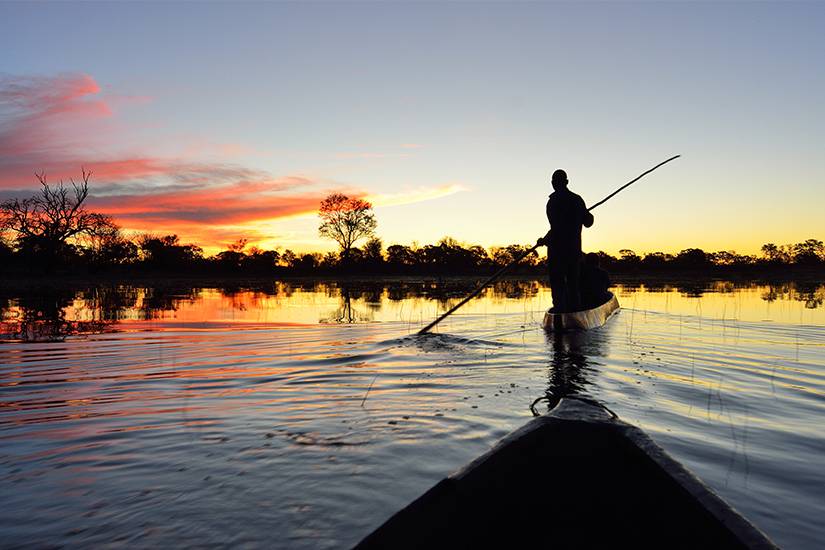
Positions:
(581, 320)
(575, 477)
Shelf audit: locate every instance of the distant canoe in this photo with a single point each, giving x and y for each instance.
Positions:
(581, 320)
(576, 477)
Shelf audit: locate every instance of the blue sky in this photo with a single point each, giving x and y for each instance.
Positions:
(452, 116)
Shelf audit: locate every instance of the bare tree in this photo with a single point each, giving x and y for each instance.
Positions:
(346, 220)
(46, 222)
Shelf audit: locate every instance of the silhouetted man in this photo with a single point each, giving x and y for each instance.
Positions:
(567, 214)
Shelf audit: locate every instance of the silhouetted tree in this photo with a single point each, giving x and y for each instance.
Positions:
(628, 258)
(167, 252)
(810, 252)
(288, 258)
(329, 261)
(231, 259)
(773, 253)
(306, 262)
(261, 261)
(346, 220)
(45, 225)
(401, 258)
(729, 258)
(693, 258)
(108, 249)
(373, 254)
(656, 260)
(506, 255)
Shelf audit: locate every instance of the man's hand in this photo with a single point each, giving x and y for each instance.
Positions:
(543, 241)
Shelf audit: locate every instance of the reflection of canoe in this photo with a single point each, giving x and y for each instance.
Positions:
(582, 320)
(573, 478)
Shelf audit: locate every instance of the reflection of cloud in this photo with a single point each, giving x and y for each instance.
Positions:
(415, 195)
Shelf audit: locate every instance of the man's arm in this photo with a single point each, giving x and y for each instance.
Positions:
(587, 218)
(545, 241)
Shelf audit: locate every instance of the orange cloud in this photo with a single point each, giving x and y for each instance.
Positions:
(239, 202)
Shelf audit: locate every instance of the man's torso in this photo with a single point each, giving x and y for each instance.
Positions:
(565, 212)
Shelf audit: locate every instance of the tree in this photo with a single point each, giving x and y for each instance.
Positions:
(261, 261)
(401, 257)
(45, 225)
(656, 260)
(810, 252)
(775, 254)
(373, 253)
(346, 220)
(692, 258)
(167, 252)
(233, 257)
(506, 255)
(627, 256)
(108, 248)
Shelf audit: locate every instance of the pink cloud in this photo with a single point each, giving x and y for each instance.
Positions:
(59, 124)
(43, 120)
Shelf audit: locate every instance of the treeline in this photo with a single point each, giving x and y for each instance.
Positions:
(52, 232)
(148, 254)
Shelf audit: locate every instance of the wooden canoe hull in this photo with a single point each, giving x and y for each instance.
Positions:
(581, 320)
(574, 478)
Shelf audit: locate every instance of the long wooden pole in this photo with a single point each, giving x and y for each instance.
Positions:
(610, 196)
(501, 271)
(477, 291)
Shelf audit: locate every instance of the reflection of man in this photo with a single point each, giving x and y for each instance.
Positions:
(567, 214)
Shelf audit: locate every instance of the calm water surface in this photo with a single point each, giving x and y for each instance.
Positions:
(303, 415)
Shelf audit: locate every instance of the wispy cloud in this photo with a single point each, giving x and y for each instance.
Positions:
(418, 194)
(369, 155)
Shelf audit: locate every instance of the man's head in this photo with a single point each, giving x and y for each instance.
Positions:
(559, 180)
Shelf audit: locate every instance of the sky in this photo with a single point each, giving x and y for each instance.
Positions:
(220, 121)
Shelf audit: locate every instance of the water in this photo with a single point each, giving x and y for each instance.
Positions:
(303, 415)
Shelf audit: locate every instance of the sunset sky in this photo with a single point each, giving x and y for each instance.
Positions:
(220, 121)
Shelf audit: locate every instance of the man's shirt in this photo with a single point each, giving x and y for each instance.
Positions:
(567, 213)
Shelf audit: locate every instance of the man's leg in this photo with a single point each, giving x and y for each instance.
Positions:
(573, 273)
(557, 286)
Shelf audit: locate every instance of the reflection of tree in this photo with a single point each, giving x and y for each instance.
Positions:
(811, 294)
(513, 288)
(345, 313)
(40, 315)
(692, 289)
(158, 300)
(771, 295)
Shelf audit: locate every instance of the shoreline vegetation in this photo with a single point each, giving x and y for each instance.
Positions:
(150, 257)
(53, 234)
